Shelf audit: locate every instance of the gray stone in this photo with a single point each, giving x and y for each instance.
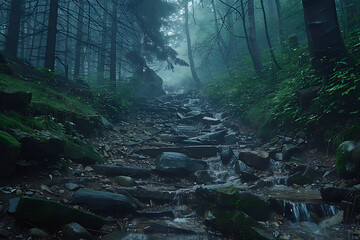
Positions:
(257, 159)
(230, 139)
(113, 170)
(192, 151)
(308, 176)
(105, 202)
(178, 164)
(210, 121)
(125, 181)
(72, 186)
(203, 176)
(226, 155)
(289, 150)
(212, 138)
(38, 233)
(74, 231)
(13, 203)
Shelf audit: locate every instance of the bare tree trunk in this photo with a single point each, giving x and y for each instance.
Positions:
(12, 37)
(188, 40)
(326, 44)
(32, 45)
(102, 52)
(51, 35)
(67, 41)
(78, 45)
(268, 37)
(114, 26)
(281, 27)
(252, 38)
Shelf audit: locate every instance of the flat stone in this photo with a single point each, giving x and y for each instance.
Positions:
(192, 151)
(230, 139)
(257, 159)
(38, 233)
(105, 202)
(210, 121)
(13, 203)
(72, 186)
(125, 181)
(113, 170)
(289, 150)
(74, 231)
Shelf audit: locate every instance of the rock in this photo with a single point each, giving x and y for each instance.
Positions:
(230, 198)
(166, 226)
(113, 170)
(13, 203)
(178, 164)
(72, 186)
(308, 176)
(257, 159)
(203, 176)
(130, 236)
(9, 154)
(105, 202)
(210, 121)
(38, 233)
(172, 138)
(348, 159)
(148, 84)
(230, 139)
(212, 138)
(53, 215)
(195, 113)
(19, 192)
(74, 231)
(289, 150)
(82, 154)
(192, 151)
(226, 155)
(47, 148)
(242, 167)
(337, 195)
(15, 101)
(125, 181)
(88, 169)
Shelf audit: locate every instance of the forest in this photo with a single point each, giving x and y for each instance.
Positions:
(180, 119)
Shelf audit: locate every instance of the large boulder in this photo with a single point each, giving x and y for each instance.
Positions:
(259, 160)
(15, 101)
(54, 215)
(148, 84)
(178, 164)
(212, 138)
(308, 176)
(81, 153)
(9, 154)
(105, 202)
(348, 159)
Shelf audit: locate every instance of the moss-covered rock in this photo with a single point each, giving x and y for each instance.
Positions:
(348, 159)
(54, 215)
(82, 153)
(9, 153)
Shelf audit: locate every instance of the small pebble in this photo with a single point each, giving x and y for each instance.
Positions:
(89, 169)
(19, 192)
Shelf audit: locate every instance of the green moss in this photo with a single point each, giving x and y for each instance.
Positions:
(7, 140)
(13, 120)
(81, 152)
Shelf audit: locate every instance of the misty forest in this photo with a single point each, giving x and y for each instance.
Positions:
(180, 119)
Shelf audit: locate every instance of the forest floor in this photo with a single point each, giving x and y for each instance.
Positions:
(170, 192)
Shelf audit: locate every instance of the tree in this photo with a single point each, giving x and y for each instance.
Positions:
(326, 45)
(189, 47)
(51, 35)
(79, 35)
(103, 38)
(252, 38)
(113, 46)
(12, 37)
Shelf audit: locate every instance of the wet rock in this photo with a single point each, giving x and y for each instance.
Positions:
(156, 214)
(13, 203)
(178, 164)
(172, 138)
(257, 159)
(203, 176)
(337, 195)
(126, 236)
(192, 151)
(105, 202)
(82, 154)
(210, 121)
(113, 170)
(167, 226)
(289, 150)
(148, 84)
(38, 233)
(226, 155)
(192, 142)
(9, 154)
(53, 215)
(230, 139)
(213, 198)
(72, 186)
(348, 159)
(125, 181)
(308, 176)
(212, 138)
(15, 101)
(74, 231)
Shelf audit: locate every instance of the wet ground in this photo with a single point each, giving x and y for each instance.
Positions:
(186, 124)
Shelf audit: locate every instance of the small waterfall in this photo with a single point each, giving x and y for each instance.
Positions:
(308, 212)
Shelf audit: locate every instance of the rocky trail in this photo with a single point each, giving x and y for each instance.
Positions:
(178, 169)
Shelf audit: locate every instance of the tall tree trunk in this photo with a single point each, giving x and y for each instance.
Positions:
(67, 41)
(280, 22)
(326, 44)
(188, 40)
(34, 27)
(22, 42)
(114, 26)
(268, 36)
(79, 35)
(252, 38)
(102, 50)
(12, 37)
(51, 35)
